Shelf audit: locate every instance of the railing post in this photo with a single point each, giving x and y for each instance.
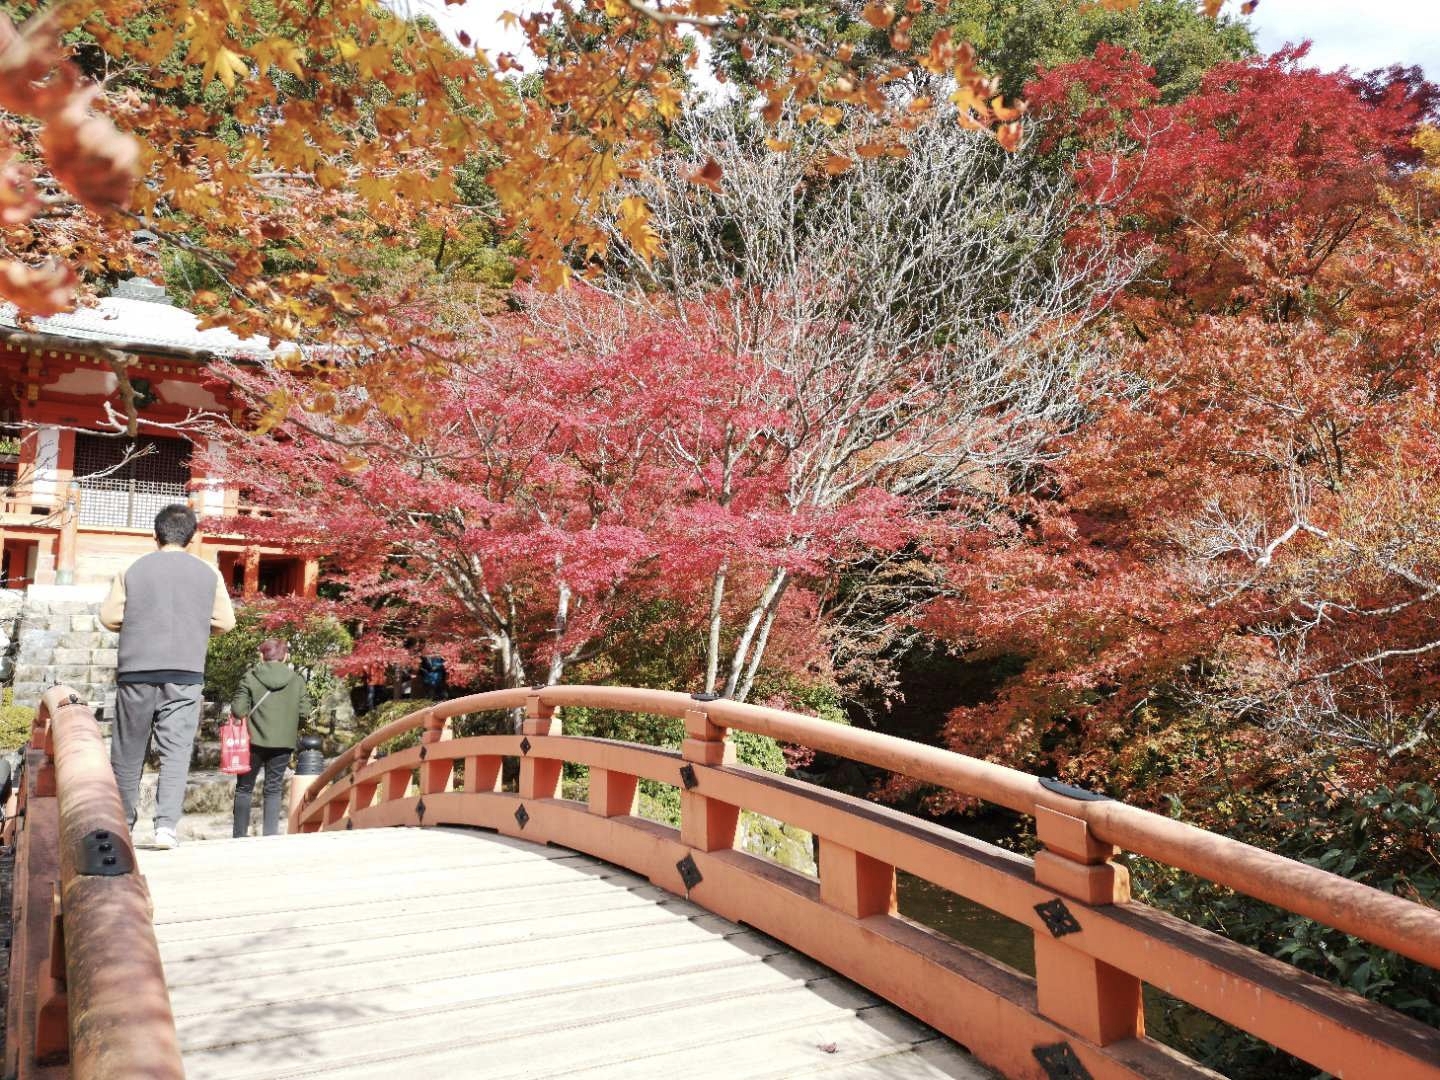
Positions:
(362, 794)
(1098, 1002)
(854, 883)
(435, 776)
(705, 823)
(539, 777)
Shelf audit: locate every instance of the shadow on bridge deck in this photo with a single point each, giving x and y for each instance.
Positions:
(451, 953)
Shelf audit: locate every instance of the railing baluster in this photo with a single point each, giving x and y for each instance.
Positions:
(483, 773)
(855, 883)
(1090, 997)
(613, 794)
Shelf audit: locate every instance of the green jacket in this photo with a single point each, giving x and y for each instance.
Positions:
(276, 720)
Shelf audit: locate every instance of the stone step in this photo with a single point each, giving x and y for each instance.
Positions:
(207, 792)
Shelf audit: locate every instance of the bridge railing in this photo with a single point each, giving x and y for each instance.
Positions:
(87, 994)
(1095, 948)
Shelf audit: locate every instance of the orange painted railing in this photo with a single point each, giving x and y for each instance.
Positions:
(86, 989)
(1094, 947)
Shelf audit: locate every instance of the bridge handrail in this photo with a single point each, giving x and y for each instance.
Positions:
(105, 1004)
(1381, 918)
(1082, 1010)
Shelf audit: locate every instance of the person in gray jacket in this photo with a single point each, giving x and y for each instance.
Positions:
(274, 700)
(165, 606)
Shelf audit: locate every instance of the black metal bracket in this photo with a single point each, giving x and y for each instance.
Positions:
(103, 854)
(689, 872)
(424, 751)
(74, 699)
(522, 816)
(688, 777)
(349, 824)
(525, 745)
(1060, 1062)
(705, 697)
(420, 811)
(1070, 791)
(1057, 918)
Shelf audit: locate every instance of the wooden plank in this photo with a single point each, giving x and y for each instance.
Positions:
(387, 976)
(302, 892)
(425, 996)
(376, 920)
(690, 1031)
(934, 1060)
(343, 908)
(421, 946)
(875, 1041)
(343, 1044)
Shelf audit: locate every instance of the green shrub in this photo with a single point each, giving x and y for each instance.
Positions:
(15, 721)
(386, 713)
(313, 646)
(1386, 839)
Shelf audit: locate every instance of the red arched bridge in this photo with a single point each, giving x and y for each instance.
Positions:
(459, 946)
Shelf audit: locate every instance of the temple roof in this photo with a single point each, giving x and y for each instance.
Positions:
(140, 318)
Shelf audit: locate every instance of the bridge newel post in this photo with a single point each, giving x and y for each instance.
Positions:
(436, 776)
(362, 795)
(855, 883)
(706, 824)
(539, 777)
(1095, 1000)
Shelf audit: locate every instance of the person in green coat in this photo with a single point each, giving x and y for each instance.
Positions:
(273, 700)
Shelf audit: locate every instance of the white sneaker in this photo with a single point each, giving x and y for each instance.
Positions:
(165, 839)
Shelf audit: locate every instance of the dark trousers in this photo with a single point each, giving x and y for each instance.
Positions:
(274, 759)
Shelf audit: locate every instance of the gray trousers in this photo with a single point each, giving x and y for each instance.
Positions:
(171, 711)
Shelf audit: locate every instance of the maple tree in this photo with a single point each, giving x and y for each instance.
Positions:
(793, 389)
(1240, 548)
(550, 494)
(920, 328)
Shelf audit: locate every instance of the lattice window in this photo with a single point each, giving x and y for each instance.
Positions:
(129, 495)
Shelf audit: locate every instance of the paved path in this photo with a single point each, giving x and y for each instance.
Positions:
(407, 953)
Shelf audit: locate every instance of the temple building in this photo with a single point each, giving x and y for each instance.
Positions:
(79, 499)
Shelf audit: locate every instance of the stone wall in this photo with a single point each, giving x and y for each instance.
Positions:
(11, 602)
(60, 640)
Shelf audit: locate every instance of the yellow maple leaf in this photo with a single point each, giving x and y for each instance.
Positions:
(634, 219)
(226, 65)
(374, 189)
(282, 53)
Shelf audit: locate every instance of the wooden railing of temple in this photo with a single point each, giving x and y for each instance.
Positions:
(1081, 1015)
(87, 994)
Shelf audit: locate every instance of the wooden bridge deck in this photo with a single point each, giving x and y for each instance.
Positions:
(393, 953)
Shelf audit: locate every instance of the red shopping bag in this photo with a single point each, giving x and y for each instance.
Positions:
(235, 746)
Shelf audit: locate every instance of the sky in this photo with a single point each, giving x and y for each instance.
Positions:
(1363, 34)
